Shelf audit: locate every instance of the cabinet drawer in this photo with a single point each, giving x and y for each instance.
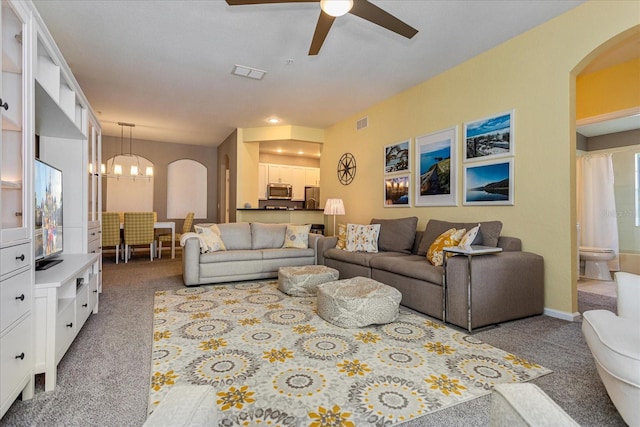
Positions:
(14, 367)
(14, 257)
(82, 306)
(93, 246)
(65, 327)
(15, 298)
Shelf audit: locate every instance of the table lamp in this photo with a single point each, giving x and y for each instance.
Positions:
(334, 207)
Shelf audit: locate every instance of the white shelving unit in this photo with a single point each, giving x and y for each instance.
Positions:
(41, 100)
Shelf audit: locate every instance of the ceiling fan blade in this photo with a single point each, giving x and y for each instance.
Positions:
(244, 2)
(322, 29)
(372, 13)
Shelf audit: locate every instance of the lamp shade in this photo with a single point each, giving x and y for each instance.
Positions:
(334, 207)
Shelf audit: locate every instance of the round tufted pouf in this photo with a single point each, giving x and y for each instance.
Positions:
(303, 281)
(358, 302)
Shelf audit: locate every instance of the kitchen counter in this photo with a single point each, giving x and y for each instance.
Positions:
(280, 216)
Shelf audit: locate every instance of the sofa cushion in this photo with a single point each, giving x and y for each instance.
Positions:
(362, 238)
(267, 235)
(488, 235)
(235, 255)
(414, 266)
(359, 258)
(396, 235)
(287, 253)
(297, 236)
(236, 235)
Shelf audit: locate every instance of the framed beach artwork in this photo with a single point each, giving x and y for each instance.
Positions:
(489, 137)
(489, 183)
(396, 157)
(436, 168)
(397, 192)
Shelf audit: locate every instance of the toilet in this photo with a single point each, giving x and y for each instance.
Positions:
(596, 262)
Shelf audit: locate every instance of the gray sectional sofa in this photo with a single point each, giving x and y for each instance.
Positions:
(506, 286)
(253, 251)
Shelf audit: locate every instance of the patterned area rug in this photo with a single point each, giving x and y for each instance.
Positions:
(273, 361)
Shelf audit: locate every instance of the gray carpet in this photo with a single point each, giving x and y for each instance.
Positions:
(104, 377)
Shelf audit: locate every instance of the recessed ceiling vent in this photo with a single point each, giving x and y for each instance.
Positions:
(251, 73)
(363, 123)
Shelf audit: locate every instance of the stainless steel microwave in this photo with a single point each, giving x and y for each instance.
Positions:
(279, 191)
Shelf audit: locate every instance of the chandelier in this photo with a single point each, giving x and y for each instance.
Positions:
(114, 169)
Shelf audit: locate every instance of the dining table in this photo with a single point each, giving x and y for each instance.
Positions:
(163, 225)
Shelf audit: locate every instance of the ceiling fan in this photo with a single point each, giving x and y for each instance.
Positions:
(331, 9)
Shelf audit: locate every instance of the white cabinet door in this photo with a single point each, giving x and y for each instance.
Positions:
(312, 176)
(263, 180)
(298, 182)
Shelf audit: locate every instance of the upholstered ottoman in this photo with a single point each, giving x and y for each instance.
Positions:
(303, 281)
(358, 302)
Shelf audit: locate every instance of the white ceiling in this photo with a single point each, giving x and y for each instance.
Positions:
(166, 65)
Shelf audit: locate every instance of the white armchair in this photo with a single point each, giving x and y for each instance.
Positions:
(614, 342)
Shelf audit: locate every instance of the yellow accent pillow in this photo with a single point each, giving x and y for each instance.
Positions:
(297, 236)
(342, 237)
(451, 237)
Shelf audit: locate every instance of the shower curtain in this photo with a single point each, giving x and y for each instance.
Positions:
(596, 204)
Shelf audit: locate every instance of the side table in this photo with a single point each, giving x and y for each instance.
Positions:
(469, 252)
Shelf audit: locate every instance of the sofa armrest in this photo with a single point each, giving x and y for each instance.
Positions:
(505, 286)
(323, 244)
(191, 262)
(313, 244)
(509, 244)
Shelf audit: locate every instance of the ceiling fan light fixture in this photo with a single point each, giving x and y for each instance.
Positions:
(336, 7)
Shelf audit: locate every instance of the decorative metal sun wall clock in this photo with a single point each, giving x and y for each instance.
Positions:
(346, 169)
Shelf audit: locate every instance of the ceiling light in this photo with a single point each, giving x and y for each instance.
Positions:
(273, 120)
(336, 7)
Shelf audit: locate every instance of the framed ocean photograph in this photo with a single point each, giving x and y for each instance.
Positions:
(436, 168)
(396, 157)
(489, 183)
(396, 192)
(489, 137)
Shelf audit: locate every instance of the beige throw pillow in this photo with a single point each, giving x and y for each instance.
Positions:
(297, 236)
(468, 238)
(211, 236)
(362, 238)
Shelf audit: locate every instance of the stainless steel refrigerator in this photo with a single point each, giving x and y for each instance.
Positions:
(311, 197)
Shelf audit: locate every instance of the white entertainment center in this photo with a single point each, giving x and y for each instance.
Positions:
(44, 115)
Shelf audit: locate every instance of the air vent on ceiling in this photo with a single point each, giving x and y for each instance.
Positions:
(362, 123)
(251, 73)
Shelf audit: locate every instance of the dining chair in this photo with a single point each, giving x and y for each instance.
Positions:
(138, 230)
(186, 227)
(111, 232)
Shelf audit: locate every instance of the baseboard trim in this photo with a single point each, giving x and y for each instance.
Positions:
(571, 317)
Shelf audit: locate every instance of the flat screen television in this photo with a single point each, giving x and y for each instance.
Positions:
(48, 228)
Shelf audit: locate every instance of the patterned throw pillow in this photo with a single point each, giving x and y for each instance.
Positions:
(362, 238)
(297, 236)
(468, 238)
(451, 237)
(342, 237)
(211, 236)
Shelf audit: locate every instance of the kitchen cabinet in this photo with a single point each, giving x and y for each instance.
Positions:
(297, 176)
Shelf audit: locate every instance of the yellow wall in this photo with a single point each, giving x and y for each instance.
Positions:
(534, 74)
(613, 89)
